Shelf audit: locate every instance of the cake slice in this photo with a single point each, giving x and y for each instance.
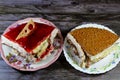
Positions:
(89, 45)
(31, 38)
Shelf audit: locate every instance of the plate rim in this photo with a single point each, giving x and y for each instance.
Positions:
(71, 62)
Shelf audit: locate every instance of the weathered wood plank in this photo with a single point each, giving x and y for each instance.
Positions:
(66, 26)
(57, 2)
(65, 14)
(61, 17)
(58, 71)
(4, 25)
(54, 8)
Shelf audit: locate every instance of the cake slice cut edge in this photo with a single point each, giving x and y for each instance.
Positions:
(43, 47)
(39, 49)
(88, 59)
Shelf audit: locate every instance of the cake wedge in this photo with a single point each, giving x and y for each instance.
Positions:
(89, 44)
(32, 38)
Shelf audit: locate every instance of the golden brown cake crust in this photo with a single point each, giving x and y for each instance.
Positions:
(94, 40)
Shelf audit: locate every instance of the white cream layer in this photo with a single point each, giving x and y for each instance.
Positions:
(36, 50)
(100, 55)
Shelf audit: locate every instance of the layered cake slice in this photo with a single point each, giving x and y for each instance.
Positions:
(33, 38)
(89, 45)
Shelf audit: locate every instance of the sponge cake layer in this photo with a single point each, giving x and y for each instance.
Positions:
(94, 40)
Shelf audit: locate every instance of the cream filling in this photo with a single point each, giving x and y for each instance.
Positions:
(53, 35)
(41, 48)
(105, 52)
(38, 50)
(79, 49)
(93, 59)
(16, 46)
(100, 55)
(79, 59)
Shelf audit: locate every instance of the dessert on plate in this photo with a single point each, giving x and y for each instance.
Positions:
(90, 43)
(32, 40)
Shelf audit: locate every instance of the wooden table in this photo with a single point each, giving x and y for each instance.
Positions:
(65, 14)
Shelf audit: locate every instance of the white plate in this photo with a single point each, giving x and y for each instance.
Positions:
(103, 65)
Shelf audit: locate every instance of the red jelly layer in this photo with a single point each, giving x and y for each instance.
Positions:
(33, 40)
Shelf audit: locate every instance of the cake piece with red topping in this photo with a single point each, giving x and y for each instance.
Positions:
(33, 38)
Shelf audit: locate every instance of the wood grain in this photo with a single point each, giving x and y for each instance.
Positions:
(66, 26)
(57, 2)
(61, 17)
(57, 71)
(60, 7)
(65, 14)
(102, 8)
